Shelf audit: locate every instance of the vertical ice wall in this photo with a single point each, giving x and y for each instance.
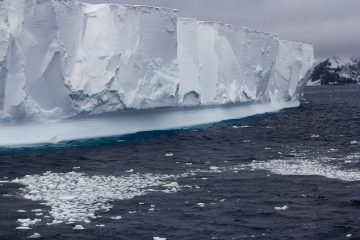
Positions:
(221, 63)
(59, 58)
(292, 71)
(126, 58)
(4, 41)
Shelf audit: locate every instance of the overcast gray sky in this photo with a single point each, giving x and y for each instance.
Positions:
(332, 26)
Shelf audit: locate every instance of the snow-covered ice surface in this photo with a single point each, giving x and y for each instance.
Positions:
(62, 59)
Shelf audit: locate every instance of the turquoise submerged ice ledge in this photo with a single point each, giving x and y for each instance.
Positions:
(63, 59)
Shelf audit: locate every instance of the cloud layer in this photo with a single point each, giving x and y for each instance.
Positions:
(332, 26)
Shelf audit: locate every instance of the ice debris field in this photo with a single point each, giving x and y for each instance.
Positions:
(66, 59)
(78, 199)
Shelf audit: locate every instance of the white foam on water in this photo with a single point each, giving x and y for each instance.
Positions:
(77, 197)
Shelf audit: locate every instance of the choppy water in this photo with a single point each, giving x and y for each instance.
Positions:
(290, 175)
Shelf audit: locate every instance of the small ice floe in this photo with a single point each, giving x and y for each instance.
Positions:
(34, 236)
(130, 171)
(283, 208)
(131, 212)
(315, 136)
(222, 200)
(169, 154)
(116, 218)
(38, 214)
(37, 210)
(141, 203)
(215, 169)
(201, 205)
(246, 141)
(159, 238)
(21, 211)
(76, 168)
(353, 142)
(348, 235)
(235, 127)
(267, 148)
(25, 223)
(78, 227)
(55, 222)
(100, 225)
(23, 228)
(87, 221)
(188, 164)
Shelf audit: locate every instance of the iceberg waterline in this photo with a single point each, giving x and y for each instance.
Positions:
(61, 59)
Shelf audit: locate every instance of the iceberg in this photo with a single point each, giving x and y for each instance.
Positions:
(67, 66)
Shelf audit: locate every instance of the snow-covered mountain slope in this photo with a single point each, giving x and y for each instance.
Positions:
(336, 70)
(63, 58)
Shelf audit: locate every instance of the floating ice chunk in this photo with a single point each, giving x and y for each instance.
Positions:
(116, 218)
(283, 208)
(55, 222)
(348, 235)
(201, 205)
(169, 154)
(37, 210)
(21, 211)
(26, 222)
(34, 236)
(159, 238)
(78, 227)
(353, 142)
(23, 228)
(215, 169)
(130, 171)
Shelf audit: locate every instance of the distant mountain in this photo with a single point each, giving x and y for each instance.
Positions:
(336, 71)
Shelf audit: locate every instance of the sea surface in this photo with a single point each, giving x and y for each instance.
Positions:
(294, 174)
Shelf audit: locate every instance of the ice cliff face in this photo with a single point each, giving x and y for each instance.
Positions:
(60, 58)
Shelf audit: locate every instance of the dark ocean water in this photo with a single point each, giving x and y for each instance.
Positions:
(289, 175)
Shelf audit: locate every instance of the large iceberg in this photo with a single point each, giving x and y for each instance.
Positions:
(63, 59)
